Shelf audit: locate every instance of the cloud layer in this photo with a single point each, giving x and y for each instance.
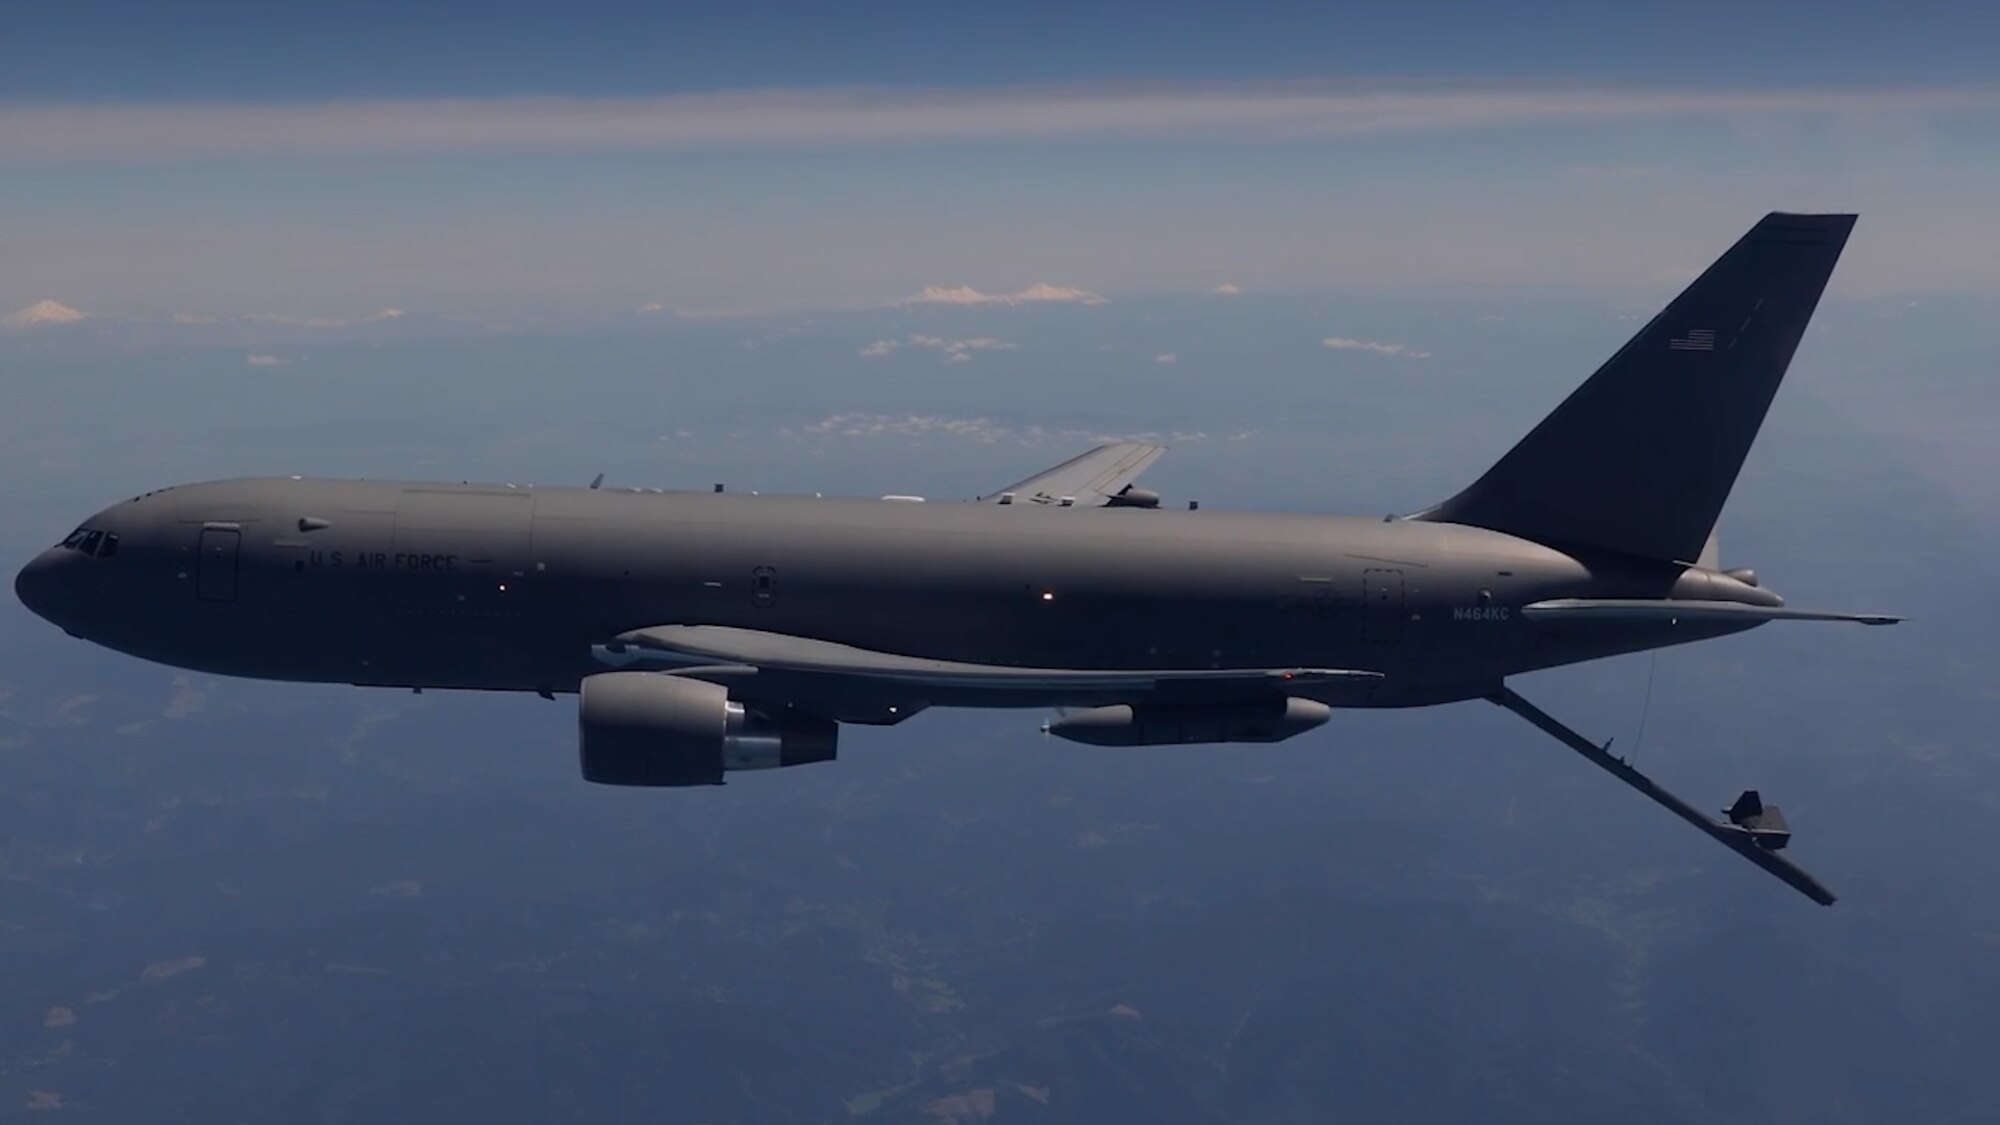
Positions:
(831, 118)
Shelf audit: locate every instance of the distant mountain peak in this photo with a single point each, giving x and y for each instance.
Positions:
(45, 312)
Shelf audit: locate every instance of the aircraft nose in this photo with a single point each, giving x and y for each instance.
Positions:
(39, 584)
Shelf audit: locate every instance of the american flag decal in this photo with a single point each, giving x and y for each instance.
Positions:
(1696, 340)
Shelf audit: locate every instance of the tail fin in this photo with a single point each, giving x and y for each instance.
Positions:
(1640, 458)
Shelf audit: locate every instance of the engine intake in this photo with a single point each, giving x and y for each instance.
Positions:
(1158, 725)
(644, 728)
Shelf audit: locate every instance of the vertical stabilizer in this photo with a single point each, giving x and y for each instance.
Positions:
(1640, 458)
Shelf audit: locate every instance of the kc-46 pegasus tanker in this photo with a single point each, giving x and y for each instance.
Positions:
(706, 632)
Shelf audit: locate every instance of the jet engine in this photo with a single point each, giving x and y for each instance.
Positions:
(645, 728)
(1166, 725)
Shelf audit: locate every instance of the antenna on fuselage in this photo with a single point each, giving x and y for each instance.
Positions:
(597, 481)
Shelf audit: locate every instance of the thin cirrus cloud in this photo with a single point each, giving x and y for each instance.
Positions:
(855, 424)
(1039, 292)
(1614, 171)
(954, 351)
(718, 312)
(49, 312)
(1349, 344)
(873, 116)
(297, 320)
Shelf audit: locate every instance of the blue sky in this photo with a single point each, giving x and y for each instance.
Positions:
(99, 49)
(232, 158)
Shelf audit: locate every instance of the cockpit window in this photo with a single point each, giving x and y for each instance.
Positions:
(91, 541)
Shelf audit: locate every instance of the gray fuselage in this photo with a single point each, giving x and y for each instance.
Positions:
(499, 587)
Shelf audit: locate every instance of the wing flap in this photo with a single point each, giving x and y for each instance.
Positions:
(1088, 480)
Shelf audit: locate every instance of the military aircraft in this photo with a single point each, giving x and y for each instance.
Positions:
(709, 632)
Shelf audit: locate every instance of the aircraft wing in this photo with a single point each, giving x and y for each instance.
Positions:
(725, 652)
(1095, 479)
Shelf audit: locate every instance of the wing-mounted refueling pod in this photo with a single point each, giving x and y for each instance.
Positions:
(1132, 496)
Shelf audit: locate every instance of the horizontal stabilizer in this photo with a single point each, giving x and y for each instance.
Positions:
(1662, 610)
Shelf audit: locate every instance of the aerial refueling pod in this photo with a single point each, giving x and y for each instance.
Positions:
(1132, 496)
(1168, 725)
(646, 728)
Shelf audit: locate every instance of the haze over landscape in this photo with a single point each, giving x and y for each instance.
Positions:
(929, 255)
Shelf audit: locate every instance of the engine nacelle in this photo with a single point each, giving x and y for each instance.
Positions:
(644, 728)
(1159, 725)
